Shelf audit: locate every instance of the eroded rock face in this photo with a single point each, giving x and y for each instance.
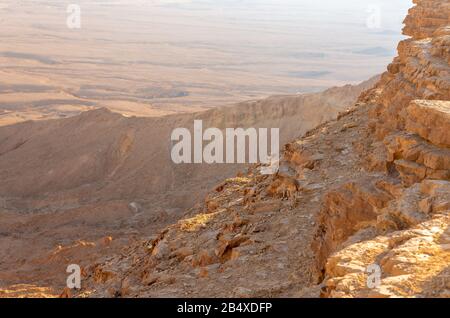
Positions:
(412, 254)
(423, 19)
(430, 120)
(421, 69)
(409, 261)
(406, 234)
(407, 239)
(346, 210)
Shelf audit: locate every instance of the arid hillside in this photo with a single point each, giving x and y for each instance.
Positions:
(367, 191)
(74, 182)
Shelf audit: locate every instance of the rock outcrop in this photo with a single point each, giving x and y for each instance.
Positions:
(406, 237)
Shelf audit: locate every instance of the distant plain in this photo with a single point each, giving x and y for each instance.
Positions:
(153, 58)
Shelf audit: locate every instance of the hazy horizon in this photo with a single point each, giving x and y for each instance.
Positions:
(161, 57)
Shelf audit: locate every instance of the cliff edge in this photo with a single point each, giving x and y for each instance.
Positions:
(359, 208)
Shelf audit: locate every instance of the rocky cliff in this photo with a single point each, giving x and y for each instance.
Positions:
(359, 208)
(367, 194)
(402, 223)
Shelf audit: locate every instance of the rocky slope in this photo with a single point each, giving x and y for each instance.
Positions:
(82, 187)
(368, 190)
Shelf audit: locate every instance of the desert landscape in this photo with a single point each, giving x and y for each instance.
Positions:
(86, 175)
(153, 58)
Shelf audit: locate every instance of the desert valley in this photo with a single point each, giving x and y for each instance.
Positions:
(153, 58)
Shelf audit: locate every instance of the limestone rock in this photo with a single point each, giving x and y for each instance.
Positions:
(430, 120)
